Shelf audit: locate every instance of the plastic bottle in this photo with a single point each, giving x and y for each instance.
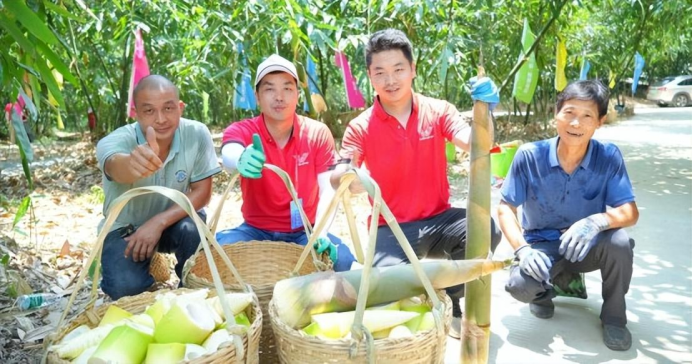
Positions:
(36, 300)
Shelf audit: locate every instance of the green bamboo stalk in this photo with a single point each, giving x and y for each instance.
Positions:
(477, 315)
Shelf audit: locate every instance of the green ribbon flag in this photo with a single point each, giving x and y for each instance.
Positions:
(526, 78)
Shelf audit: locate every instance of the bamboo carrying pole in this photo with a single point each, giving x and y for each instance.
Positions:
(477, 300)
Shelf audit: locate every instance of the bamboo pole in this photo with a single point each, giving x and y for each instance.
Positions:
(477, 301)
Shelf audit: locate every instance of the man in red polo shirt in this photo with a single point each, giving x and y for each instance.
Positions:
(302, 147)
(401, 140)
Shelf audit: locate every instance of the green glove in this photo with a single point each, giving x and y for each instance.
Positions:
(252, 159)
(323, 245)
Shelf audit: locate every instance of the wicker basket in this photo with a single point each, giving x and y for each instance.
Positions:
(260, 272)
(137, 304)
(294, 346)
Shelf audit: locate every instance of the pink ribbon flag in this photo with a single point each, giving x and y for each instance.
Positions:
(140, 69)
(354, 96)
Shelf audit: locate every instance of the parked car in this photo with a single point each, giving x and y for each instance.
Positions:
(674, 91)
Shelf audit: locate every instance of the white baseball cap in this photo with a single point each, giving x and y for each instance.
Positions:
(275, 63)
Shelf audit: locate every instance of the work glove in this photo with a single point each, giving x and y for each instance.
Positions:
(534, 263)
(252, 159)
(577, 241)
(325, 245)
(485, 90)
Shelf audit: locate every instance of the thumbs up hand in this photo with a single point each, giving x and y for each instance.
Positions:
(144, 159)
(252, 159)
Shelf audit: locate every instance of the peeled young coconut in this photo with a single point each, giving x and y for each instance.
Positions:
(399, 332)
(165, 301)
(189, 323)
(114, 314)
(237, 303)
(193, 351)
(171, 353)
(215, 340)
(84, 357)
(336, 325)
(142, 319)
(427, 322)
(393, 306)
(73, 348)
(414, 304)
(79, 330)
(124, 344)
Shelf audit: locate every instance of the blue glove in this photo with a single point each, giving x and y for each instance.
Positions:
(484, 90)
(252, 159)
(534, 263)
(580, 237)
(324, 244)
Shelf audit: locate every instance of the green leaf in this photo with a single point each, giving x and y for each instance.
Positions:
(9, 25)
(5, 260)
(56, 62)
(49, 80)
(62, 11)
(30, 20)
(21, 211)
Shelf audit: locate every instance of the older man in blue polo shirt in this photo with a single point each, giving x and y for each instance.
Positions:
(564, 186)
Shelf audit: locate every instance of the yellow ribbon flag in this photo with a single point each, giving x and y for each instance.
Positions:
(59, 79)
(561, 59)
(612, 79)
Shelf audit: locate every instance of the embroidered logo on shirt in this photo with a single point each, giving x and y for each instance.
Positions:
(302, 159)
(181, 175)
(426, 132)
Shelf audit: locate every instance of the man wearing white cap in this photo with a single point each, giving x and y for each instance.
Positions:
(302, 147)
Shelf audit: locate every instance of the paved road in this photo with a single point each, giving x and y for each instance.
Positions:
(656, 144)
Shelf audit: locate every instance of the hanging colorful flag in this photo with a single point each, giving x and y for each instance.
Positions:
(585, 69)
(312, 79)
(528, 75)
(639, 65)
(561, 60)
(354, 96)
(312, 75)
(244, 97)
(612, 79)
(140, 69)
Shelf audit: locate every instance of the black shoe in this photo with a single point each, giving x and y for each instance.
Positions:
(542, 311)
(617, 338)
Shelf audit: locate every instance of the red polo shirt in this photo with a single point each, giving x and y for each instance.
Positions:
(408, 164)
(309, 152)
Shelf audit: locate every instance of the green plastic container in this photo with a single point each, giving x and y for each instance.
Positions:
(500, 162)
(450, 152)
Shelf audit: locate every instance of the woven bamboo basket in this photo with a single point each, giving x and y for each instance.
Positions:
(137, 304)
(294, 346)
(261, 264)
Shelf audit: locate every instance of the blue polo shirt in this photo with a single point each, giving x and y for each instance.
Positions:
(553, 200)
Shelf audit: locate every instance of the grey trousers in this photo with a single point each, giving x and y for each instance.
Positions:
(613, 256)
(443, 236)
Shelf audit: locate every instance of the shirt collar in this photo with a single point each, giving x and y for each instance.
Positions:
(553, 154)
(381, 114)
(175, 143)
(267, 137)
